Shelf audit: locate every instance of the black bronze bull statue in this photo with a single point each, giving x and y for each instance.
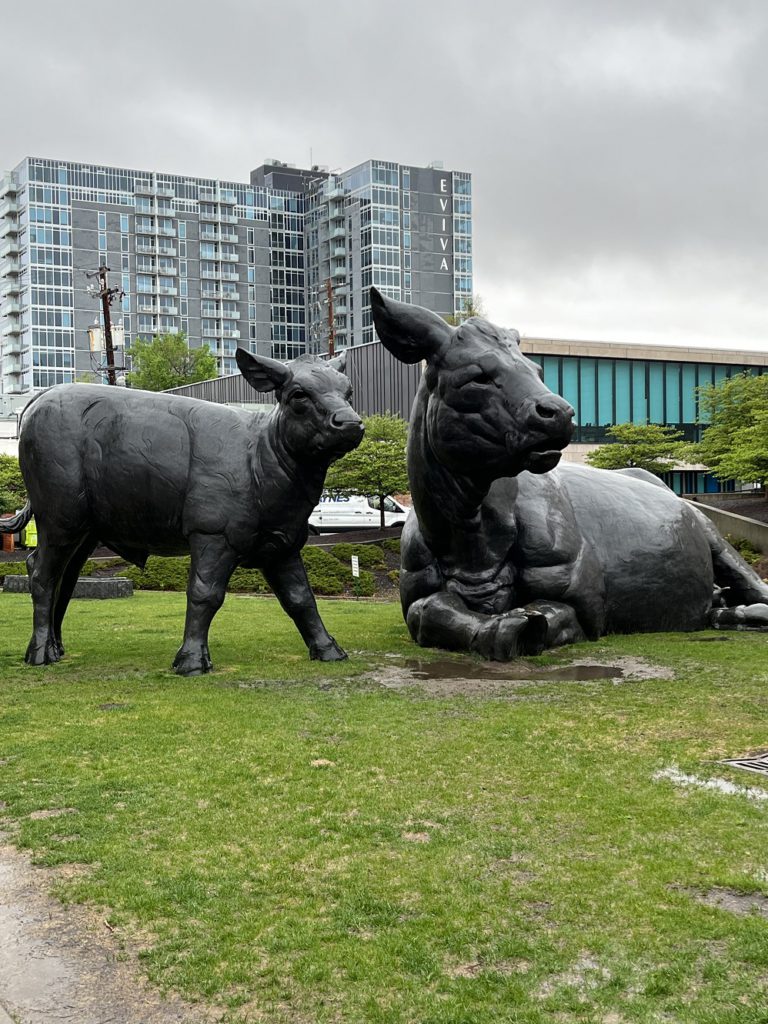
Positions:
(160, 474)
(507, 555)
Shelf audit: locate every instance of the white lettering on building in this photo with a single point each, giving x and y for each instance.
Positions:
(444, 209)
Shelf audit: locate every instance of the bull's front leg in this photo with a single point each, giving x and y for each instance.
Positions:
(212, 563)
(288, 579)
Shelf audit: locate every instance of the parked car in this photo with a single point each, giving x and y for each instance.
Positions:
(355, 512)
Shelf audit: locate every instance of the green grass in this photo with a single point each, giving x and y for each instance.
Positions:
(444, 861)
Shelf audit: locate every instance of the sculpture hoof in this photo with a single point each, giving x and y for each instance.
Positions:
(330, 653)
(192, 663)
(43, 654)
(513, 635)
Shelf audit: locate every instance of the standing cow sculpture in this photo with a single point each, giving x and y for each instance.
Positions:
(507, 555)
(148, 473)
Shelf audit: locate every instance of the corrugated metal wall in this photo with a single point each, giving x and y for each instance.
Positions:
(381, 384)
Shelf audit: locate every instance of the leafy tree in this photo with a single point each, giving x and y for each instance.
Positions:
(377, 467)
(473, 306)
(13, 493)
(648, 446)
(735, 444)
(168, 362)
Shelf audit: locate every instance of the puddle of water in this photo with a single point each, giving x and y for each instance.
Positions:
(450, 669)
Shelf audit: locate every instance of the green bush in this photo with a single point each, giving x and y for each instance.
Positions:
(326, 574)
(248, 581)
(13, 569)
(392, 544)
(747, 550)
(394, 577)
(159, 574)
(371, 555)
(364, 585)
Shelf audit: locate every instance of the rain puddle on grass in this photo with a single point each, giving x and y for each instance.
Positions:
(517, 671)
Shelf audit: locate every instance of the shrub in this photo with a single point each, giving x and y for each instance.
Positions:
(392, 544)
(371, 555)
(13, 569)
(326, 574)
(364, 585)
(247, 581)
(160, 574)
(747, 550)
(394, 577)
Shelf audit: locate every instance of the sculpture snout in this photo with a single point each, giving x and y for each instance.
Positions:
(552, 415)
(348, 420)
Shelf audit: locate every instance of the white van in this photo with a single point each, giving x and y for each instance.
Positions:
(355, 512)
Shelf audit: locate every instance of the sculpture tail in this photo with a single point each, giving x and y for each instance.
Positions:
(17, 522)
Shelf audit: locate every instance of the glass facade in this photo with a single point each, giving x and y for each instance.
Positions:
(606, 391)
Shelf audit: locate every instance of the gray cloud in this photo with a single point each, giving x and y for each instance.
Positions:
(618, 149)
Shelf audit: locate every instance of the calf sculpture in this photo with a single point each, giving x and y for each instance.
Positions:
(148, 473)
(508, 555)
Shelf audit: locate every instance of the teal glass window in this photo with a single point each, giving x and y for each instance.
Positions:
(571, 384)
(587, 396)
(656, 393)
(672, 386)
(622, 391)
(689, 393)
(604, 392)
(551, 367)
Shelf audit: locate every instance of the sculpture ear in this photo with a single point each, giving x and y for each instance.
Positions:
(410, 333)
(339, 362)
(261, 372)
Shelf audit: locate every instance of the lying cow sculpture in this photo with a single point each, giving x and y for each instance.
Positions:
(507, 555)
(148, 473)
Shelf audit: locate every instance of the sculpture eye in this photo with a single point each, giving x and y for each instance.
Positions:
(481, 378)
(300, 401)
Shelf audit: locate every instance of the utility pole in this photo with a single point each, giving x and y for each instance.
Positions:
(107, 296)
(331, 329)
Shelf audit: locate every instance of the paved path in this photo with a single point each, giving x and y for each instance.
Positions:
(57, 969)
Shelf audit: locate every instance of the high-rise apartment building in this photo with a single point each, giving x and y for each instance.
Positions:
(279, 265)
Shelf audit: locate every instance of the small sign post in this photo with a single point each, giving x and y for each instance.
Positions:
(356, 566)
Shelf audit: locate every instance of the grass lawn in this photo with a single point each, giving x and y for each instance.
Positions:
(295, 843)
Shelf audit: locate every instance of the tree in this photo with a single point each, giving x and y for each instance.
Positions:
(473, 306)
(377, 467)
(648, 446)
(13, 493)
(735, 444)
(168, 362)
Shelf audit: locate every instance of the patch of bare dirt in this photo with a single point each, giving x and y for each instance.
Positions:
(64, 964)
(741, 903)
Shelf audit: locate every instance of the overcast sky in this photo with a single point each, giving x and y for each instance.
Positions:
(619, 150)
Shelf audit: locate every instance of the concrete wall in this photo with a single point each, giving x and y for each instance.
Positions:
(737, 526)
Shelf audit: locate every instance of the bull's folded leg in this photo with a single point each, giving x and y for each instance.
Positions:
(288, 579)
(443, 620)
(212, 564)
(563, 626)
(743, 616)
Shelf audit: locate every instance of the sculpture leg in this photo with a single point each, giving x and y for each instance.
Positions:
(212, 564)
(46, 567)
(289, 581)
(67, 586)
(563, 626)
(443, 620)
(740, 583)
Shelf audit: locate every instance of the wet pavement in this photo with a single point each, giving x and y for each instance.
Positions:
(56, 966)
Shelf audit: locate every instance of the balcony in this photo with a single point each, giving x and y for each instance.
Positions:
(210, 275)
(167, 271)
(339, 252)
(230, 314)
(230, 257)
(8, 227)
(229, 236)
(146, 307)
(339, 272)
(340, 309)
(146, 248)
(226, 275)
(168, 310)
(227, 197)
(168, 232)
(209, 235)
(12, 346)
(336, 212)
(13, 367)
(209, 216)
(211, 295)
(227, 218)
(10, 308)
(9, 208)
(339, 233)
(209, 332)
(10, 248)
(13, 327)
(164, 191)
(231, 296)
(11, 287)
(10, 266)
(336, 193)
(8, 187)
(144, 188)
(166, 250)
(168, 291)
(230, 332)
